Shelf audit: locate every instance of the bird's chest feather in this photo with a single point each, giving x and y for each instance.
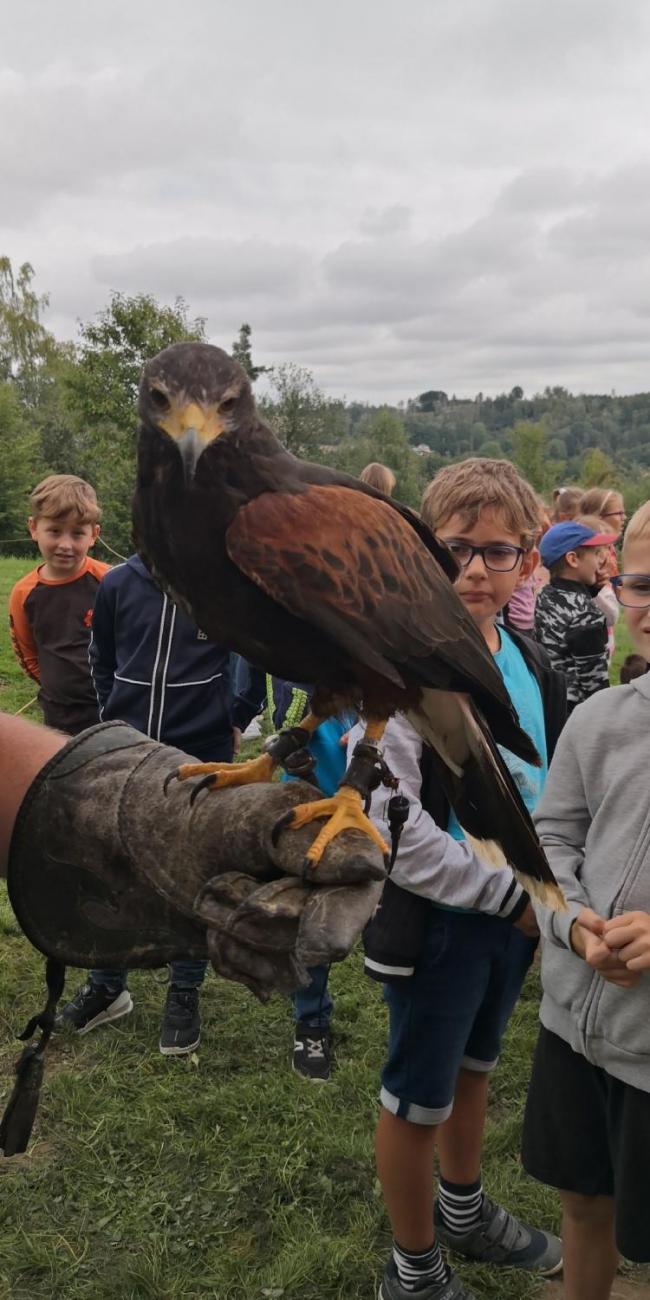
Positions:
(185, 537)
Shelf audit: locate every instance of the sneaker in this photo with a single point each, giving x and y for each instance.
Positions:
(180, 1032)
(500, 1238)
(311, 1052)
(392, 1289)
(94, 1005)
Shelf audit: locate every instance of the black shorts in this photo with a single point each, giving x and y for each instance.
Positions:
(587, 1132)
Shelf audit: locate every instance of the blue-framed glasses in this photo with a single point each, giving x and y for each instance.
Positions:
(632, 590)
(497, 556)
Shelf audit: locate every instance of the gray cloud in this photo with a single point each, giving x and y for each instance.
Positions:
(209, 270)
(448, 195)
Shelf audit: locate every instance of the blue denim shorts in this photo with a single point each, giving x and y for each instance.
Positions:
(452, 1012)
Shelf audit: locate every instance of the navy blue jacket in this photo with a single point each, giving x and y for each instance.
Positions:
(154, 669)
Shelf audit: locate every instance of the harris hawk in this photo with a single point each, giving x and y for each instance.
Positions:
(312, 575)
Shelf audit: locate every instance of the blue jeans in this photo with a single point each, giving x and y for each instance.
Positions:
(184, 975)
(313, 1005)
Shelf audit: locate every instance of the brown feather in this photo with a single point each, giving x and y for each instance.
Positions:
(355, 568)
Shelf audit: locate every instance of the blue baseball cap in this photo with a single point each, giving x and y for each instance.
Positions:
(568, 536)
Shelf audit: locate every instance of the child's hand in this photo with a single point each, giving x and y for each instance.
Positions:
(587, 940)
(628, 936)
(586, 936)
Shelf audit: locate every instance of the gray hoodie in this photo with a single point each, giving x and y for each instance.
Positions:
(594, 822)
(430, 862)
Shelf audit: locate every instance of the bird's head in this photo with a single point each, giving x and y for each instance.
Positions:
(194, 393)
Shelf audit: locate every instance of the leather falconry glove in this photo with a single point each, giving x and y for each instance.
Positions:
(107, 870)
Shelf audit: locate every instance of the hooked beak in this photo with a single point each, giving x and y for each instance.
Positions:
(190, 446)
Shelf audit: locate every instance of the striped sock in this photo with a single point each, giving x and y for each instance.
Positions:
(417, 1266)
(460, 1205)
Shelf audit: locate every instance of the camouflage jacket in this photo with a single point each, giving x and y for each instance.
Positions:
(573, 632)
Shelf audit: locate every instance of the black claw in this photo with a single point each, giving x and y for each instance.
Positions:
(283, 821)
(172, 776)
(308, 869)
(206, 783)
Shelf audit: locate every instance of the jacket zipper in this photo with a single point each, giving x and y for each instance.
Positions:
(160, 666)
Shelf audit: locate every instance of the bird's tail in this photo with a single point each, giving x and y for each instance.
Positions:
(482, 792)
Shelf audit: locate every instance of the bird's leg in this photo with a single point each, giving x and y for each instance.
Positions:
(289, 748)
(278, 750)
(345, 809)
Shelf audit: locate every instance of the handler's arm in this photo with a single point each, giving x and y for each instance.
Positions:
(25, 748)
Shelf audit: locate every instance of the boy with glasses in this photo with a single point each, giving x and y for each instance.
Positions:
(568, 624)
(448, 1012)
(587, 1127)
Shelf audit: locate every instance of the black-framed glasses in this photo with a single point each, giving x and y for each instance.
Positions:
(632, 589)
(615, 514)
(497, 556)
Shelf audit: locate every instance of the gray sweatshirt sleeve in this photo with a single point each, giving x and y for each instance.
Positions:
(562, 820)
(430, 862)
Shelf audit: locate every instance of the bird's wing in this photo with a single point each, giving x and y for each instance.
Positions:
(482, 791)
(354, 567)
(323, 476)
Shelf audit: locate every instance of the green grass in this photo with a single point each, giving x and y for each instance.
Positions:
(225, 1177)
(623, 648)
(16, 689)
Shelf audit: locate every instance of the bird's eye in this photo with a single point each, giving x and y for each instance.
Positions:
(228, 404)
(159, 399)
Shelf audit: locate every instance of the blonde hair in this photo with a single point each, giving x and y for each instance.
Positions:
(594, 522)
(478, 484)
(380, 477)
(596, 500)
(566, 503)
(64, 494)
(638, 529)
(544, 515)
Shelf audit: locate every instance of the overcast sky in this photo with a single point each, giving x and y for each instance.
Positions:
(398, 195)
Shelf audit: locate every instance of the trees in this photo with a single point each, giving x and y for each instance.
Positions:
(19, 463)
(241, 351)
(70, 408)
(114, 347)
(431, 400)
(598, 470)
(390, 446)
(491, 448)
(22, 336)
(381, 436)
(303, 418)
(529, 446)
(65, 442)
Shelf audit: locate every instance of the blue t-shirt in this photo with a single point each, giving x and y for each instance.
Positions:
(523, 689)
(331, 756)
(325, 743)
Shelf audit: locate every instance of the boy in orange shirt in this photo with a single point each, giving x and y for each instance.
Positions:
(51, 608)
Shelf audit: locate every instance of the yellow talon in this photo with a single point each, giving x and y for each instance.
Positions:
(228, 774)
(344, 812)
